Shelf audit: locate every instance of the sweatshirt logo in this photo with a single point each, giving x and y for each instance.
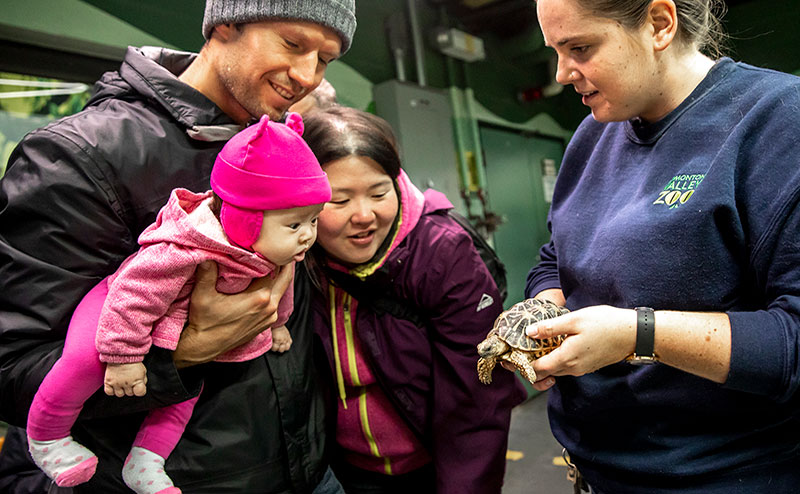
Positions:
(486, 301)
(679, 190)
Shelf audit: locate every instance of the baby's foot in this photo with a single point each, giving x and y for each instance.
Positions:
(144, 473)
(64, 460)
(281, 339)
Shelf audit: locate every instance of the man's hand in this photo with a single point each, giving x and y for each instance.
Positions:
(125, 380)
(219, 322)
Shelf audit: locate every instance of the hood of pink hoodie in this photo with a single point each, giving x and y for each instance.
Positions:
(187, 219)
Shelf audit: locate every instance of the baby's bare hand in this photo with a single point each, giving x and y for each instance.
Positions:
(281, 339)
(125, 380)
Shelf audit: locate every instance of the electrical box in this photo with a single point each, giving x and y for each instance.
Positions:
(458, 44)
(422, 121)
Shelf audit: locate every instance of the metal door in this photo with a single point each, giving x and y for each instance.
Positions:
(517, 181)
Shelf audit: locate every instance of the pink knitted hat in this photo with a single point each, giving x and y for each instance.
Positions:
(266, 166)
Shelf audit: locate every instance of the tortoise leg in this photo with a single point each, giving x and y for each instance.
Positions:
(520, 360)
(485, 368)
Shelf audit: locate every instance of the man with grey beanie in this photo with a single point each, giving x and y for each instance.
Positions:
(101, 175)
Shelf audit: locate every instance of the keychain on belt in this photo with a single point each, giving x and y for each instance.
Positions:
(573, 475)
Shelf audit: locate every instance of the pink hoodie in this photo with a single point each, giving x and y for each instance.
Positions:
(148, 298)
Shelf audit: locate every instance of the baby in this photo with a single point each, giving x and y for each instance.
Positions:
(260, 216)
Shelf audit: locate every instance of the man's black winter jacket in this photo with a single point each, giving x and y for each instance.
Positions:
(74, 199)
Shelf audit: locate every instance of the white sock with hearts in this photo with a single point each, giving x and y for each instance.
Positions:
(64, 460)
(144, 473)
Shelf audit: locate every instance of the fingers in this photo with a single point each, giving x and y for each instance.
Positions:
(265, 282)
(542, 329)
(551, 327)
(544, 384)
(508, 366)
(282, 346)
(139, 389)
(125, 380)
(206, 275)
(135, 389)
(277, 283)
(268, 291)
(281, 339)
(205, 285)
(552, 364)
(282, 280)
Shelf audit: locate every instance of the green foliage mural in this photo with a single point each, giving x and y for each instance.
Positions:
(28, 102)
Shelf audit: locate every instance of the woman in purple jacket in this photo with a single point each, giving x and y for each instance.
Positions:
(411, 413)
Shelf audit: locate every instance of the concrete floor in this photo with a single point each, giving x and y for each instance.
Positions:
(539, 468)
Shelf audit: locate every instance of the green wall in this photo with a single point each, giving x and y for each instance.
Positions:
(177, 22)
(764, 33)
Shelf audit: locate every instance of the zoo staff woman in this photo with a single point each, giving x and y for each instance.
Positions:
(680, 194)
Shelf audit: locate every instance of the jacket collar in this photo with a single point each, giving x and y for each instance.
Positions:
(153, 72)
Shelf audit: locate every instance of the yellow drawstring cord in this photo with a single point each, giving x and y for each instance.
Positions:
(362, 398)
(336, 359)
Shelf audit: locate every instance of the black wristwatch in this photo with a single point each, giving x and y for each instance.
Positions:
(644, 353)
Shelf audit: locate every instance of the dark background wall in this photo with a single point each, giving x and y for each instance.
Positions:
(763, 32)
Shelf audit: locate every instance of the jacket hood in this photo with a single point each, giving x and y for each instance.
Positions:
(152, 73)
(187, 219)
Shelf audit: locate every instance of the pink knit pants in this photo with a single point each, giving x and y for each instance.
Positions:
(78, 374)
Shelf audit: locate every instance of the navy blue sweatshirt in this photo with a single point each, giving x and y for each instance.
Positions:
(696, 212)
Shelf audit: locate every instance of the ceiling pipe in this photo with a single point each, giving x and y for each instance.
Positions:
(396, 31)
(416, 37)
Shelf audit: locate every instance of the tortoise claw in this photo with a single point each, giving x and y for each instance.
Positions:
(485, 368)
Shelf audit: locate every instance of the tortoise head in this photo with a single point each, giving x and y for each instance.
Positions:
(492, 346)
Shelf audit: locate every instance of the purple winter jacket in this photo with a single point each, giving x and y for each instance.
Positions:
(430, 374)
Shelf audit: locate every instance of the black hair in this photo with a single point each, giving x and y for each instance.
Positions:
(339, 131)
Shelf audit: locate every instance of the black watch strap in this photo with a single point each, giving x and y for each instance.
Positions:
(645, 335)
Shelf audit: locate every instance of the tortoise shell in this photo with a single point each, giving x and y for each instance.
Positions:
(512, 323)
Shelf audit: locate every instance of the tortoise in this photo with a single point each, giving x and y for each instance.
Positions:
(507, 339)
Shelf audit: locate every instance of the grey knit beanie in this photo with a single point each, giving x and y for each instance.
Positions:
(339, 15)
